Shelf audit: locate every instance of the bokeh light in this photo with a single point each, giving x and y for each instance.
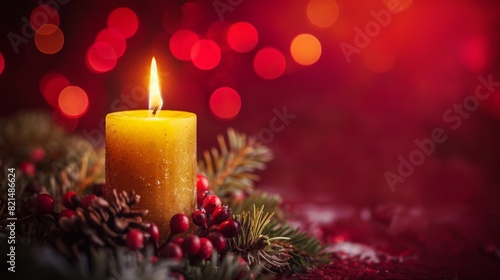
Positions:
(205, 54)
(2, 63)
(73, 101)
(217, 32)
(100, 57)
(225, 103)
(305, 49)
(51, 86)
(378, 60)
(181, 43)
(322, 13)
(269, 63)
(44, 14)
(113, 38)
(242, 37)
(125, 20)
(49, 39)
(473, 54)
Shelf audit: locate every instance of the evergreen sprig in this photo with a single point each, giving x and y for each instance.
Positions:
(231, 166)
(266, 239)
(306, 251)
(266, 242)
(71, 162)
(254, 246)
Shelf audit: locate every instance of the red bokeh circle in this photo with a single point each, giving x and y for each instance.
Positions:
(44, 14)
(269, 63)
(242, 37)
(113, 38)
(181, 43)
(51, 85)
(101, 57)
(125, 20)
(205, 54)
(225, 103)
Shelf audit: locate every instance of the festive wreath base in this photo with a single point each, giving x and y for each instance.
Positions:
(66, 229)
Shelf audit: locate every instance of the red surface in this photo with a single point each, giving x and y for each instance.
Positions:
(396, 242)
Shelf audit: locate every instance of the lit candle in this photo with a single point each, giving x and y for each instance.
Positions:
(154, 153)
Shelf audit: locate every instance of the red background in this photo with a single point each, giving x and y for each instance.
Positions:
(351, 123)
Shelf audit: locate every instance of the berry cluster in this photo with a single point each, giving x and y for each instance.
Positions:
(71, 201)
(214, 220)
(44, 204)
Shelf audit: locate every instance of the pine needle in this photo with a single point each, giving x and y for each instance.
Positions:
(306, 251)
(231, 166)
(254, 246)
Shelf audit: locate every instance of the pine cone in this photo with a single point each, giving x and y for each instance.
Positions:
(102, 224)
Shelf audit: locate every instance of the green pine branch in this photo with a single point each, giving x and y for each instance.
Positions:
(71, 162)
(231, 166)
(254, 246)
(306, 251)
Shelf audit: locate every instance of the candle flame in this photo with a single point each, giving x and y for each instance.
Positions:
(155, 101)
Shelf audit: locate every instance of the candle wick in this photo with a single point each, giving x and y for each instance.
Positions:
(155, 108)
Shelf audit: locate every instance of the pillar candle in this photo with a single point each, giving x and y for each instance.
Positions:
(154, 153)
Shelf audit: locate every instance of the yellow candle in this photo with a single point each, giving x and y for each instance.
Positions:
(154, 153)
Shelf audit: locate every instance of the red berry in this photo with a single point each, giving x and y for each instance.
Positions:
(221, 213)
(199, 218)
(242, 261)
(230, 228)
(202, 183)
(179, 223)
(44, 203)
(200, 196)
(28, 168)
(88, 199)
(66, 218)
(176, 275)
(245, 269)
(171, 251)
(66, 214)
(135, 239)
(218, 240)
(154, 231)
(206, 248)
(154, 259)
(67, 200)
(210, 202)
(37, 154)
(178, 240)
(191, 244)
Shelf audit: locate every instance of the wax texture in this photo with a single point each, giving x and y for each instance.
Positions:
(156, 157)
